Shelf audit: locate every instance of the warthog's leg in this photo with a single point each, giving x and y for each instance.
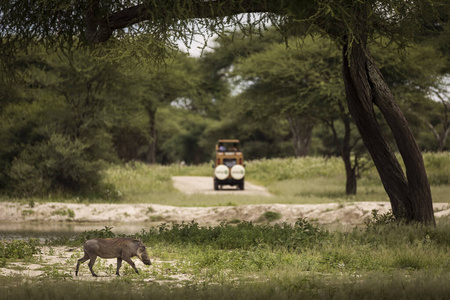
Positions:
(80, 261)
(131, 263)
(119, 264)
(93, 257)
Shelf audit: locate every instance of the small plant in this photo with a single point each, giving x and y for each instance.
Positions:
(60, 212)
(19, 249)
(63, 212)
(31, 203)
(380, 219)
(71, 213)
(27, 212)
(269, 216)
(102, 233)
(235, 221)
(156, 218)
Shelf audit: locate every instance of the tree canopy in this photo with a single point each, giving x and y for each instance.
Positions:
(353, 25)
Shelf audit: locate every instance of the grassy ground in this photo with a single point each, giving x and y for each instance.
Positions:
(307, 180)
(379, 261)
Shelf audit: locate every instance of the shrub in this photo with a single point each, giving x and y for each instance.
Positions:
(102, 233)
(58, 164)
(437, 165)
(19, 249)
(244, 235)
(377, 219)
(270, 216)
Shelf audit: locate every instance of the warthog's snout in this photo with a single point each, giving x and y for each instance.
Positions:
(120, 248)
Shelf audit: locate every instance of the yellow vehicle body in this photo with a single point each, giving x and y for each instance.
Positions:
(229, 167)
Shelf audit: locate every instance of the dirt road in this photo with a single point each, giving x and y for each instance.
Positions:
(205, 185)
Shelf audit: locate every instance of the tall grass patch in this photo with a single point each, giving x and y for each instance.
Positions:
(438, 167)
(266, 171)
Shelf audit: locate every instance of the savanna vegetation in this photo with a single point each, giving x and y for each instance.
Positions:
(303, 180)
(117, 30)
(381, 260)
(242, 260)
(332, 100)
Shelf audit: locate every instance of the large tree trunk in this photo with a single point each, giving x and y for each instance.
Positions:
(302, 129)
(410, 196)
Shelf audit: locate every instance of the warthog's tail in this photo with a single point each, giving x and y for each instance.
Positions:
(73, 249)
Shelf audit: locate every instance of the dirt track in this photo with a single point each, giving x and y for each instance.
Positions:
(204, 185)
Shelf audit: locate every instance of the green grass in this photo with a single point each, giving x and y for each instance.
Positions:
(308, 180)
(247, 261)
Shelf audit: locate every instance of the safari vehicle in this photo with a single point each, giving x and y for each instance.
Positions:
(229, 167)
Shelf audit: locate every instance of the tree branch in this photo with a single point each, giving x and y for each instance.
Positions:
(100, 29)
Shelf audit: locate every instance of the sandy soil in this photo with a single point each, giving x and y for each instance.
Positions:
(59, 261)
(344, 213)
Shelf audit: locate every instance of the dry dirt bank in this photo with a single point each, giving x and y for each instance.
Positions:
(345, 213)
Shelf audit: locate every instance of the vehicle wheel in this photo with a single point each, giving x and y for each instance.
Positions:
(241, 185)
(216, 184)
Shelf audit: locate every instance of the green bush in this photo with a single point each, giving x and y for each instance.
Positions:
(244, 235)
(91, 234)
(437, 165)
(58, 164)
(270, 216)
(19, 249)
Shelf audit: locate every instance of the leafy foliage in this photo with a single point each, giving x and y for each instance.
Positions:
(18, 249)
(245, 235)
(56, 165)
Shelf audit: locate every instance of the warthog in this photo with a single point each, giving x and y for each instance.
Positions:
(120, 248)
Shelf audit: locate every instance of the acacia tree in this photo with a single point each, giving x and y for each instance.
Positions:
(351, 24)
(156, 87)
(283, 82)
(419, 83)
(305, 87)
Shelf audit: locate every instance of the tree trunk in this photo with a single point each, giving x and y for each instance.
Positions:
(410, 196)
(350, 171)
(302, 129)
(345, 150)
(151, 153)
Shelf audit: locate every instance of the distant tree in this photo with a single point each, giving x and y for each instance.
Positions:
(304, 87)
(443, 118)
(55, 132)
(175, 83)
(416, 77)
(279, 83)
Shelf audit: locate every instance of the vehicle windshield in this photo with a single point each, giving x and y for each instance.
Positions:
(229, 162)
(228, 147)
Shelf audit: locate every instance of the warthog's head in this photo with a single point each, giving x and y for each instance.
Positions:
(143, 255)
